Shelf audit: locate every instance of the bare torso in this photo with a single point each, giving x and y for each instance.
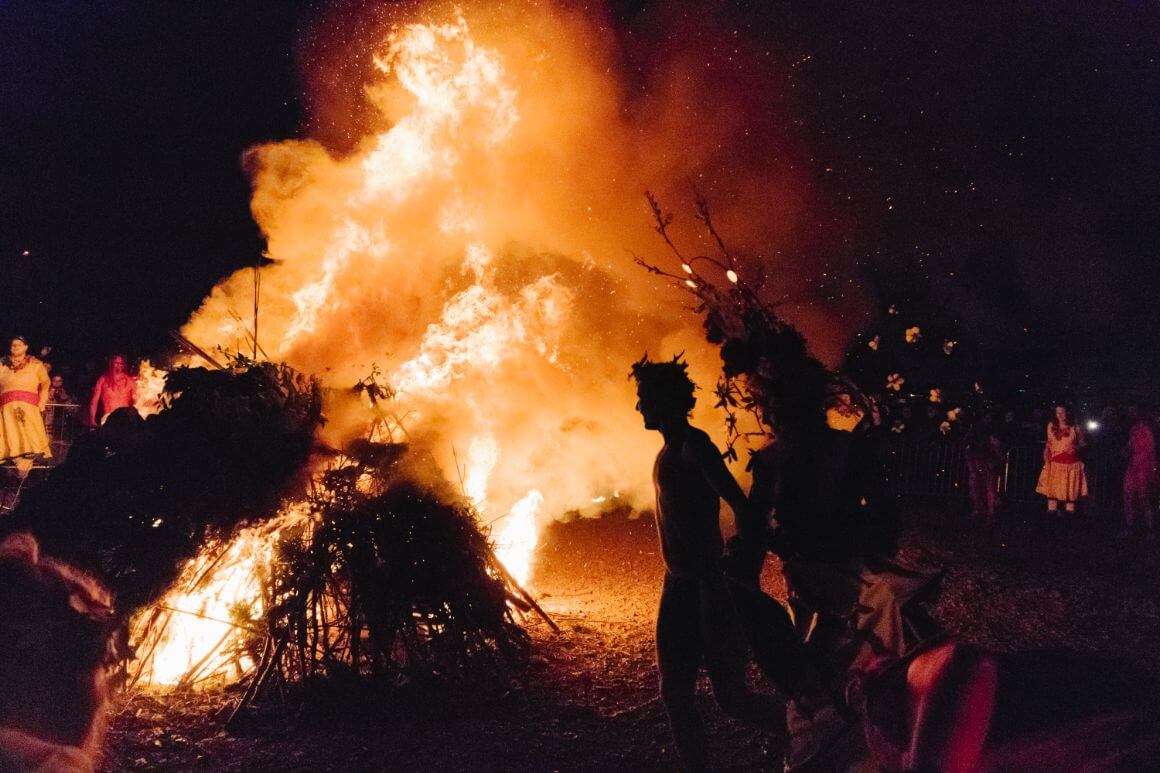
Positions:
(110, 394)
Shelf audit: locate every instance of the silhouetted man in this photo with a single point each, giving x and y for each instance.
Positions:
(697, 620)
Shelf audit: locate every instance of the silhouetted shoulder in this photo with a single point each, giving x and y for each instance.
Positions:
(698, 444)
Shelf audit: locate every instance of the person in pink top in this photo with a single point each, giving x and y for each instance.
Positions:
(23, 396)
(116, 388)
(1141, 478)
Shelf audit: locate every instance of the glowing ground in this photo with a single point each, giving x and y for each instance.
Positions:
(587, 701)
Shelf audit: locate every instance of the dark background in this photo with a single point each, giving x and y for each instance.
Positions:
(996, 167)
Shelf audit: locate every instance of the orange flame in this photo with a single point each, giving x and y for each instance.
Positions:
(150, 385)
(519, 536)
(472, 245)
(193, 634)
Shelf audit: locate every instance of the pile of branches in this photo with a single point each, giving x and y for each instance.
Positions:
(138, 498)
(371, 563)
(390, 578)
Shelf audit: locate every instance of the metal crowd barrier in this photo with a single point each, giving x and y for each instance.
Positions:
(937, 468)
(64, 422)
(925, 468)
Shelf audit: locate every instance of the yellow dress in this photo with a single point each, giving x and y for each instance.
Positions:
(22, 433)
(1063, 475)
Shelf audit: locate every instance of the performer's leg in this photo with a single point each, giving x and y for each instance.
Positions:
(1069, 507)
(1129, 503)
(726, 652)
(776, 646)
(1052, 505)
(678, 656)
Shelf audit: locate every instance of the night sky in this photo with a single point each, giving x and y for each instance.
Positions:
(996, 162)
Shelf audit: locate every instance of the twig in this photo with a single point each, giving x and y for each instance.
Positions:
(261, 675)
(195, 669)
(527, 597)
(704, 217)
(458, 471)
(190, 346)
(208, 617)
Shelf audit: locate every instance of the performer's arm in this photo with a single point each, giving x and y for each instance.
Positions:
(708, 460)
(42, 386)
(96, 401)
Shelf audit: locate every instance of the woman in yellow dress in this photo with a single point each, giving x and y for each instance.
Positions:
(24, 387)
(1062, 479)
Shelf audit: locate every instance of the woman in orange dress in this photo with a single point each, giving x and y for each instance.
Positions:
(23, 395)
(1062, 478)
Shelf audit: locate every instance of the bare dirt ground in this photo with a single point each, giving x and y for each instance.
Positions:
(587, 700)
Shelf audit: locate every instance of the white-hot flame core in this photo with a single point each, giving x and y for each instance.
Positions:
(481, 458)
(519, 536)
(201, 635)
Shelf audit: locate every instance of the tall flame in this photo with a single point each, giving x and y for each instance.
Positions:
(456, 248)
(150, 386)
(471, 244)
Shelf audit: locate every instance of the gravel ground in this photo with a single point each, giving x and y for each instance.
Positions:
(587, 700)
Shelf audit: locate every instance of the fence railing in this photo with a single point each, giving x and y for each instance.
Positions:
(64, 422)
(926, 468)
(938, 468)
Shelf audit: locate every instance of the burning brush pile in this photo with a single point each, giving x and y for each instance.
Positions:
(459, 226)
(241, 550)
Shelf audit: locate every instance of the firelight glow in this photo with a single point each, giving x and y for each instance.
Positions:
(470, 243)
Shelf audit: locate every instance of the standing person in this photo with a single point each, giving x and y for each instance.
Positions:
(1062, 478)
(983, 455)
(697, 620)
(58, 415)
(57, 393)
(116, 388)
(1141, 478)
(23, 396)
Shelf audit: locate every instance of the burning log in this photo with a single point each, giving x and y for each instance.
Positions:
(373, 566)
(190, 347)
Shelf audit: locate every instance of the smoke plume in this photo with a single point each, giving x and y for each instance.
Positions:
(471, 235)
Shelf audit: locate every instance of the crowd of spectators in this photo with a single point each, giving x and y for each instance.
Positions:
(76, 397)
(1115, 439)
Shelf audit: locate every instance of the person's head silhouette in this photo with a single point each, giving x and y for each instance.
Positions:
(664, 392)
